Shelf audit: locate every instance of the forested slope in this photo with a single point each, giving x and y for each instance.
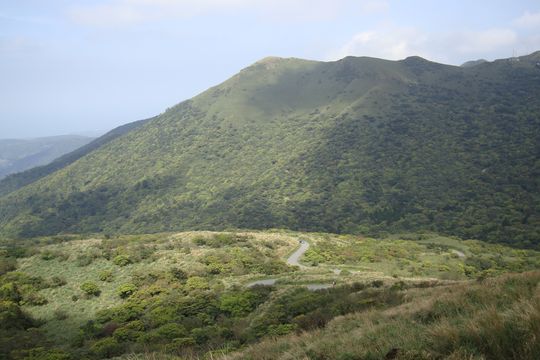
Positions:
(357, 145)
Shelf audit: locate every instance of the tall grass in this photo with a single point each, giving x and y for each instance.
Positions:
(495, 319)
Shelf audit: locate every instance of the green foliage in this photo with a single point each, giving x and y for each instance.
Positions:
(122, 260)
(242, 303)
(42, 353)
(106, 348)
(197, 283)
(90, 288)
(126, 290)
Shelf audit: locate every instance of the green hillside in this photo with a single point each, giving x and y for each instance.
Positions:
(359, 145)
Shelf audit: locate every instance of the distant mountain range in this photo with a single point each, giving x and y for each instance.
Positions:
(358, 145)
(21, 154)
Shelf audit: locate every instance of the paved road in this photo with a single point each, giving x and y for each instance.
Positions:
(294, 259)
(265, 282)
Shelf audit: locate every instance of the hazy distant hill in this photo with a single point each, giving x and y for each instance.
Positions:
(356, 145)
(20, 154)
(18, 180)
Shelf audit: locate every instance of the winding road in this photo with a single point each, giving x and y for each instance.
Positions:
(294, 259)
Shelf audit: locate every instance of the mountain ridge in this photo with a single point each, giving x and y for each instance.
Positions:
(355, 145)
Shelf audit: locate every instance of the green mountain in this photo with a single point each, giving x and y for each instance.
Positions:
(21, 154)
(358, 145)
(18, 180)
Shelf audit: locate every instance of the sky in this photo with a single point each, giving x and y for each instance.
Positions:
(69, 67)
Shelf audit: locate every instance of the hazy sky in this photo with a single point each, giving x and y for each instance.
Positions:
(72, 66)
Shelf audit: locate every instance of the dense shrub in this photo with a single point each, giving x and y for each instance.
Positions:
(90, 289)
(106, 348)
(122, 260)
(126, 290)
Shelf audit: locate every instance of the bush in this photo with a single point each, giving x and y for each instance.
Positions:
(42, 353)
(10, 292)
(126, 290)
(197, 283)
(106, 275)
(130, 332)
(106, 348)
(90, 289)
(122, 260)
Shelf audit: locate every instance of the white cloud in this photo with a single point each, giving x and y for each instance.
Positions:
(387, 43)
(394, 43)
(528, 20)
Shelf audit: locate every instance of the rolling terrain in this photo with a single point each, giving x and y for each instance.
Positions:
(359, 145)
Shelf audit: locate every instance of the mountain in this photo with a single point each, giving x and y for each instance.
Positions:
(358, 145)
(21, 154)
(18, 180)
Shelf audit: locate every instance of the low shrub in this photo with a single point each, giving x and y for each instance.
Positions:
(122, 260)
(90, 289)
(126, 290)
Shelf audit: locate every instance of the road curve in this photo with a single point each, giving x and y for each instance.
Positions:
(295, 256)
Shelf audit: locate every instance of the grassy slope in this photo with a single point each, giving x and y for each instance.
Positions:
(358, 145)
(495, 319)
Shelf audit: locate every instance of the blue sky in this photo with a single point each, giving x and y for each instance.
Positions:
(75, 66)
